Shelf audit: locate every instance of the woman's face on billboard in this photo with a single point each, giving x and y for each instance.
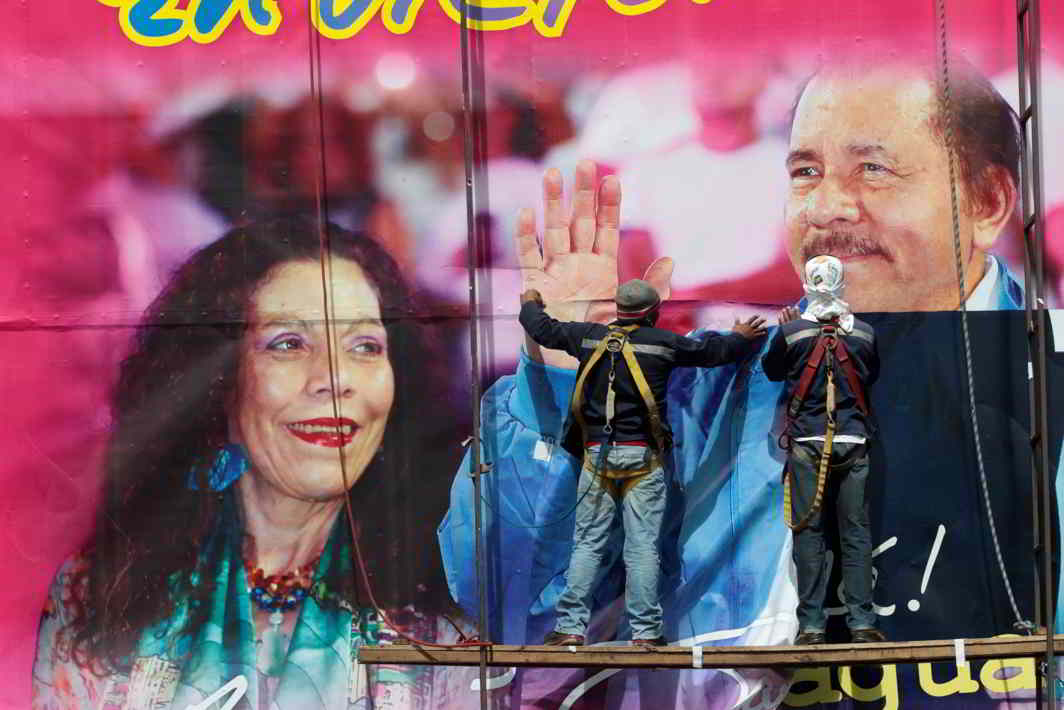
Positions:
(297, 416)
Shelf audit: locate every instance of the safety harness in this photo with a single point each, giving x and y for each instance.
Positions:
(617, 341)
(829, 347)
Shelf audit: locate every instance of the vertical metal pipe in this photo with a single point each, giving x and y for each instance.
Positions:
(1041, 322)
(1028, 301)
(1028, 52)
(1028, 281)
(470, 105)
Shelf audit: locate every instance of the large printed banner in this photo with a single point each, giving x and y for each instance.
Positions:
(237, 328)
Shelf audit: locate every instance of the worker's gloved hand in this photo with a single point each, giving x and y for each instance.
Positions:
(531, 295)
(786, 315)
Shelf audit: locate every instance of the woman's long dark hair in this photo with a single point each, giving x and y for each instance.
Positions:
(170, 418)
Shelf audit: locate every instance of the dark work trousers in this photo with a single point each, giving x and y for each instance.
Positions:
(845, 490)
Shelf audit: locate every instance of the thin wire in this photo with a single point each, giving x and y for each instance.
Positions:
(557, 521)
(322, 206)
(947, 110)
(561, 518)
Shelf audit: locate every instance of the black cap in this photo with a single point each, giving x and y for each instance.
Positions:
(636, 299)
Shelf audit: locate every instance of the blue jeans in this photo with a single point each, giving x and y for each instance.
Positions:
(844, 490)
(642, 508)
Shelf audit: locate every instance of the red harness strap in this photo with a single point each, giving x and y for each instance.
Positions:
(843, 356)
(829, 346)
(828, 340)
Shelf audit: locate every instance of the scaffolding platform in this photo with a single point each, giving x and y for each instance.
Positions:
(605, 656)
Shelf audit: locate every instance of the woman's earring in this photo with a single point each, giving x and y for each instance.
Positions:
(229, 465)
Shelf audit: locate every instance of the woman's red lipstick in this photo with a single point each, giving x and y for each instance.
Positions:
(325, 431)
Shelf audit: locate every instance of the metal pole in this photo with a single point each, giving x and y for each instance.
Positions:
(470, 105)
(1032, 199)
(1041, 322)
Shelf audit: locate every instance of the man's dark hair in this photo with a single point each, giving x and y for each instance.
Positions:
(986, 130)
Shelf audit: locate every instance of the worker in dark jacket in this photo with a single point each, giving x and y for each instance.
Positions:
(828, 359)
(618, 427)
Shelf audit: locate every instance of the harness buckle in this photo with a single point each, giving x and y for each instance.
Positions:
(785, 441)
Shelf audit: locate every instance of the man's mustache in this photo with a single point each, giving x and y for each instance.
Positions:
(842, 245)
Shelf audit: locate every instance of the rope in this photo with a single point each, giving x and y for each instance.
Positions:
(822, 466)
(321, 202)
(557, 521)
(1020, 624)
(597, 466)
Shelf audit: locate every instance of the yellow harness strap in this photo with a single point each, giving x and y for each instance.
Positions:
(618, 483)
(657, 430)
(822, 471)
(618, 338)
(577, 402)
(614, 342)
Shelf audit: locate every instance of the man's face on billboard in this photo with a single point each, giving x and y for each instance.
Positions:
(869, 183)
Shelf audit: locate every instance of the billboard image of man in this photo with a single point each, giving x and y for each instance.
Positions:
(870, 183)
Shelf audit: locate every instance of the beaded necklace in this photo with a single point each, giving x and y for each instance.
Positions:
(278, 593)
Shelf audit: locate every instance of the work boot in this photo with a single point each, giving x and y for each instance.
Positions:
(810, 638)
(557, 638)
(650, 643)
(867, 636)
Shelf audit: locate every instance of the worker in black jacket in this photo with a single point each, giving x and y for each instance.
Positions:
(618, 427)
(828, 359)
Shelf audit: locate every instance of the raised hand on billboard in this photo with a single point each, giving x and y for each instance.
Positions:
(575, 272)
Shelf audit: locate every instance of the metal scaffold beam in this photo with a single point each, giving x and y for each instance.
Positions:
(604, 656)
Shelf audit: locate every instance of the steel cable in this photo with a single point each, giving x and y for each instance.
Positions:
(946, 108)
